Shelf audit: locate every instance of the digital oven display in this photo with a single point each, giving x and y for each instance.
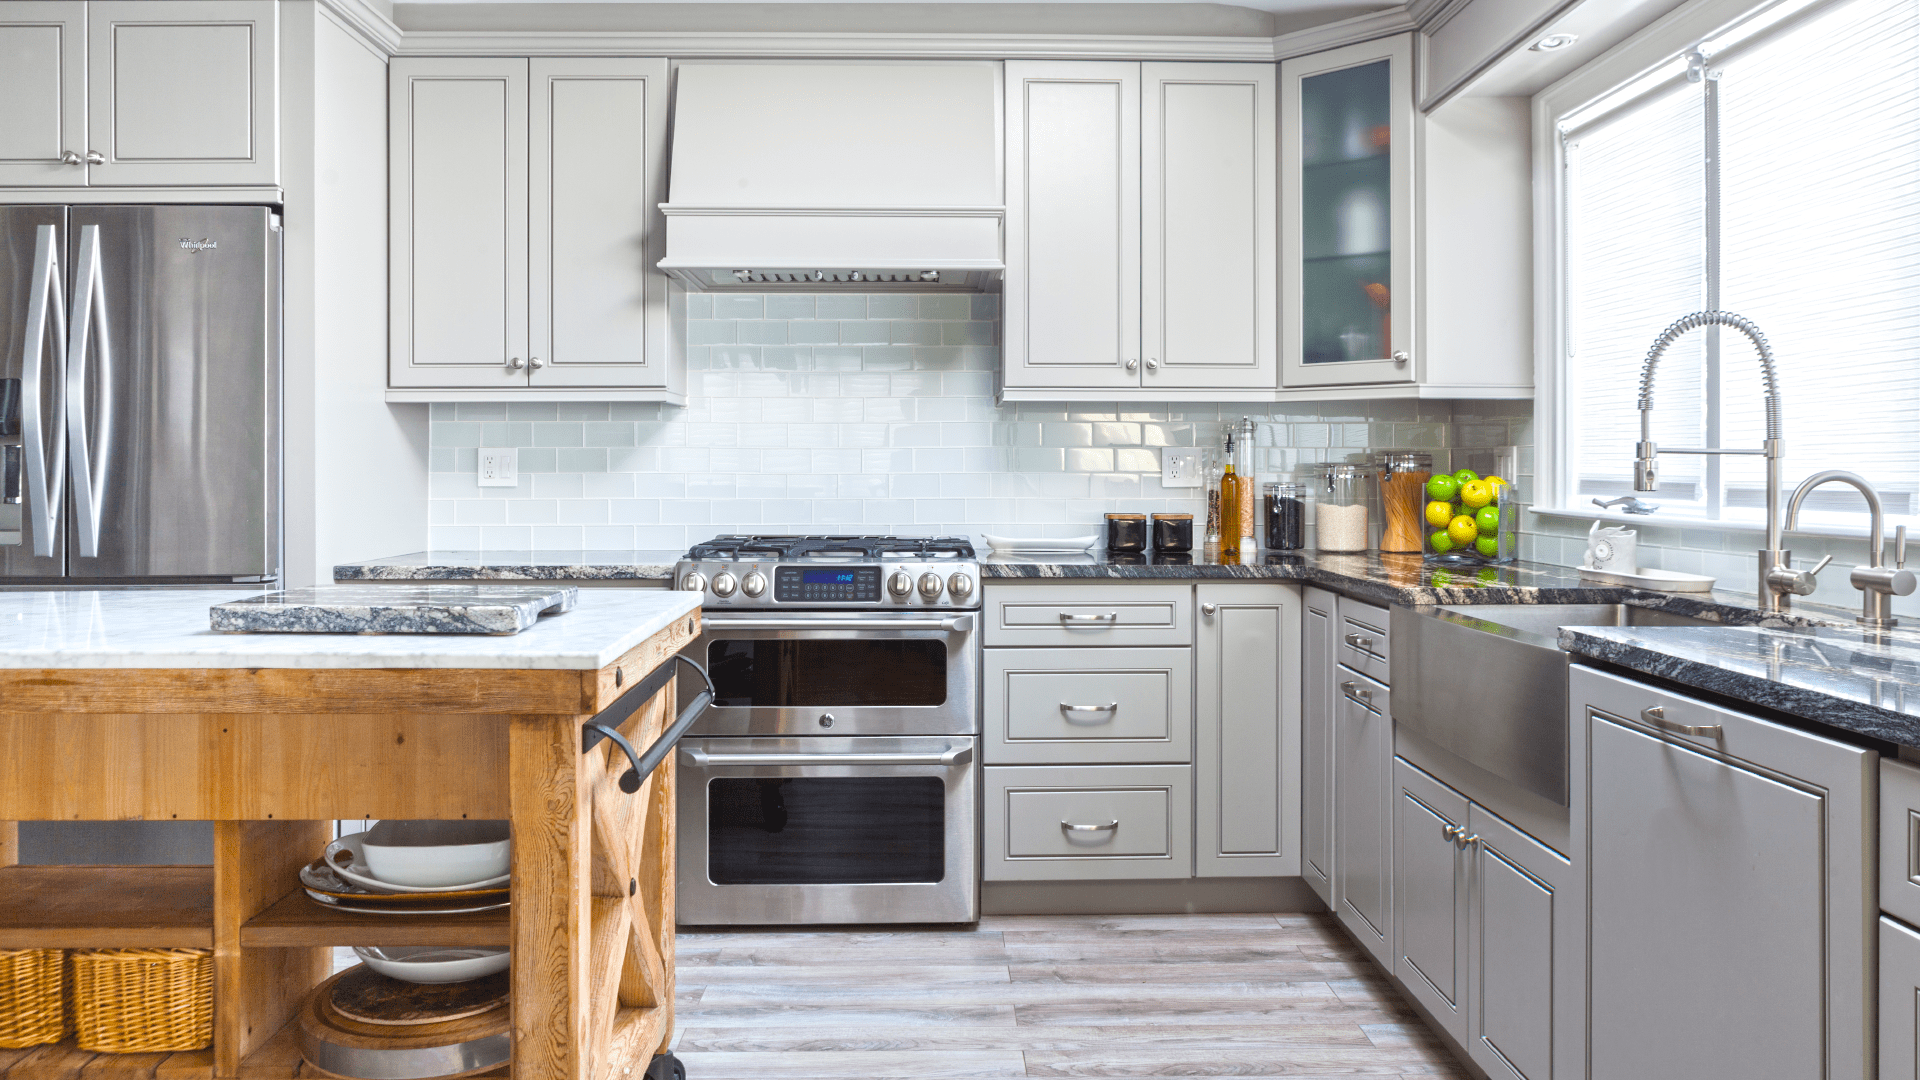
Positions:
(835, 585)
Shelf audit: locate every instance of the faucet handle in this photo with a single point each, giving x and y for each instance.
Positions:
(1798, 582)
(1900, 547)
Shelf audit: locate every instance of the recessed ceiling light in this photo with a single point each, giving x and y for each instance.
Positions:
(1554, 42)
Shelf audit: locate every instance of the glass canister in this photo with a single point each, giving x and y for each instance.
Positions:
(1340, 513)
(1126, 532)
(1403, 488)
(1472, 516)
(1215, 469)
(1286, 516)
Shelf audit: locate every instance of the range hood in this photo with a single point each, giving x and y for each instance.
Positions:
(809, 176)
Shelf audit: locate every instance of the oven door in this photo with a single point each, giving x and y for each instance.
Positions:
(839, 673)
(827, 830)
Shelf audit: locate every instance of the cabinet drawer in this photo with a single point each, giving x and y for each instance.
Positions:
(1136, 822)
(1062, 706)
(1900, 839)
(1363, 639)
(1106, 615)
(1371, 693)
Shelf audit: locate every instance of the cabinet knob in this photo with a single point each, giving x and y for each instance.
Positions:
(68, 157)
(1133, 364)
(95, 157)
(1400, 356)
(515, 363)
(1208, 609)
(536, 363)
(1153, 364)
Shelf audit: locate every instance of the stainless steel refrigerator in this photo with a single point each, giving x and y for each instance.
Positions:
(139, 395)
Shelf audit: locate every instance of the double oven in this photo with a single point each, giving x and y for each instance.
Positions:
(834, 779)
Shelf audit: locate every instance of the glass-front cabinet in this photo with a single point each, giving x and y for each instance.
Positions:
(1347, 206)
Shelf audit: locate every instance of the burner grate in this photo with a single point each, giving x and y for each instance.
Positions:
(829, 547)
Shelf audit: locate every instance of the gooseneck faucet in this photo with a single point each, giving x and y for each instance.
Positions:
(1878, 584)
(1777, 580)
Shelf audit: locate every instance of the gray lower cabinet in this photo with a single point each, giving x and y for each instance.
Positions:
(1728, 868)
(1899, 1000)
(1246, 730)
(1088, 822)
(1363, 813)
(1317, 636)
(1431, 885)
(1103, 705)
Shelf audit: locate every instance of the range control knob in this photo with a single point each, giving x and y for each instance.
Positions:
(930, 585)
(724, 584)
(754, 583)
(960, 585)
(900, 584)
(695, 581)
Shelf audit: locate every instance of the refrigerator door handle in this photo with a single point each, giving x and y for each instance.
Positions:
(46, 301)
(88, 325)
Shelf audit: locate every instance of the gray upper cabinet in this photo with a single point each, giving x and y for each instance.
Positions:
(140, 93)
(1247, 730)
(1728, 869)
(1141, 229)
(524, 211)
(1318, 620)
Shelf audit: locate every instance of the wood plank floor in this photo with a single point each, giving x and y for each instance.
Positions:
(1063, 996)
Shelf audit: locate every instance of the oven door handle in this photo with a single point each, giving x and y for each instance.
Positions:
(959, 624)
(959, 755)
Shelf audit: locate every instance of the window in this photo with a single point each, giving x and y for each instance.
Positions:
(1773, 172)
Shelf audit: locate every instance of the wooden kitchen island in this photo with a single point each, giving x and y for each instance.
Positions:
(124, 706)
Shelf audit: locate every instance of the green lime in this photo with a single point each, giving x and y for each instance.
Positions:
(1488, 518)
(1465, 476)
(1440, 541)
(1488, 546)
(1442, 488)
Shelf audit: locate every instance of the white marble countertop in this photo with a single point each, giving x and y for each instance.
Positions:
(170, 628)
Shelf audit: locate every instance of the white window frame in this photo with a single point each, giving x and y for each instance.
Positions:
(1638, 58)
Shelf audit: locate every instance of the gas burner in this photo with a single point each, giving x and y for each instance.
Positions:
(833, 547)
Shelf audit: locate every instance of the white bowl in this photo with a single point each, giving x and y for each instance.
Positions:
(436, 854)
(433, 963)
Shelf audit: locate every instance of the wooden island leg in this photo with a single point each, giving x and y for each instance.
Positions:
(552, 872)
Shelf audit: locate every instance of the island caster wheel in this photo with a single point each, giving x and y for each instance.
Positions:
(666, 1067)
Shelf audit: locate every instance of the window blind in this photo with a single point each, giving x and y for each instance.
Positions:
(1818, 166)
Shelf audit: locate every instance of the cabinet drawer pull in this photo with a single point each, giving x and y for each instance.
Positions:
(1451, 832)
(1364, 697)
(1072, 830)
(1360, 641)
(1109, 617)
(1072, 710)
(1468, 840)
(1656, 715)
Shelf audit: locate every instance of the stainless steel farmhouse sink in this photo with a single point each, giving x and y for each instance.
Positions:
(1489, 682)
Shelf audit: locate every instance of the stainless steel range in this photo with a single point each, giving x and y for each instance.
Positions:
(835, 777)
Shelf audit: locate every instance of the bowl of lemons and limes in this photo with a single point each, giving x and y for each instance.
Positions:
(1463, 514)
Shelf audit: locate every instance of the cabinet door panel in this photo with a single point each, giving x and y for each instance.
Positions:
(1072, 288)
(459, 207)
(1363, 819)
(1346, 215)
(1027, 692)
(1247, 744)
(1749, 832)
(1208, 243)
(1513, 950)
(1430, 894)
(1316, 743)
(1136, 821)
(183, 91)
(1899, 1001)
(597, 309)
(43, 72)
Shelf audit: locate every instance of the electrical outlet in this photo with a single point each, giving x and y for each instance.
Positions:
(1179, 468)
(499, 467)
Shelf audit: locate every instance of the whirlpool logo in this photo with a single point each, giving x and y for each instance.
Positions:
(197, 246)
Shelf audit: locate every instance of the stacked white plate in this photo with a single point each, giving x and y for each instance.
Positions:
(414, 868)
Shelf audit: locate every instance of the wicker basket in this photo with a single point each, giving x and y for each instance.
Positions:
(128, 1001)
(33, 992)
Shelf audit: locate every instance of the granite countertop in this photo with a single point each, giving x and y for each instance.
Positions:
(170, 628)
(1857, 680)
(605, 565)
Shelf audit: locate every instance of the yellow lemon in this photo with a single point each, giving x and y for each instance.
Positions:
(1439, 513)
(1476, 493)
(1494, 481)
(1463, 531)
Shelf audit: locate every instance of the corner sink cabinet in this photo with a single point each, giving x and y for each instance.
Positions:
(524, 206)
(1141, 730)
(273, 756)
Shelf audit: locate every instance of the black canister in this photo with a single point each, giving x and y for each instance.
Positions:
(1173, 532)
(1126, 532)
(1286, 517)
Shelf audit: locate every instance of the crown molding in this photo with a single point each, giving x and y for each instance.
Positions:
(366, 22)
(1371, 26)
(752, 45)
(1431, 15)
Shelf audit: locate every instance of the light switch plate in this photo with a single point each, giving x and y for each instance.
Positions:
(499, 467)
(1179, 468)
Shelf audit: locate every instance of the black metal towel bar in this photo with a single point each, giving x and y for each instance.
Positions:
(606, 723)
